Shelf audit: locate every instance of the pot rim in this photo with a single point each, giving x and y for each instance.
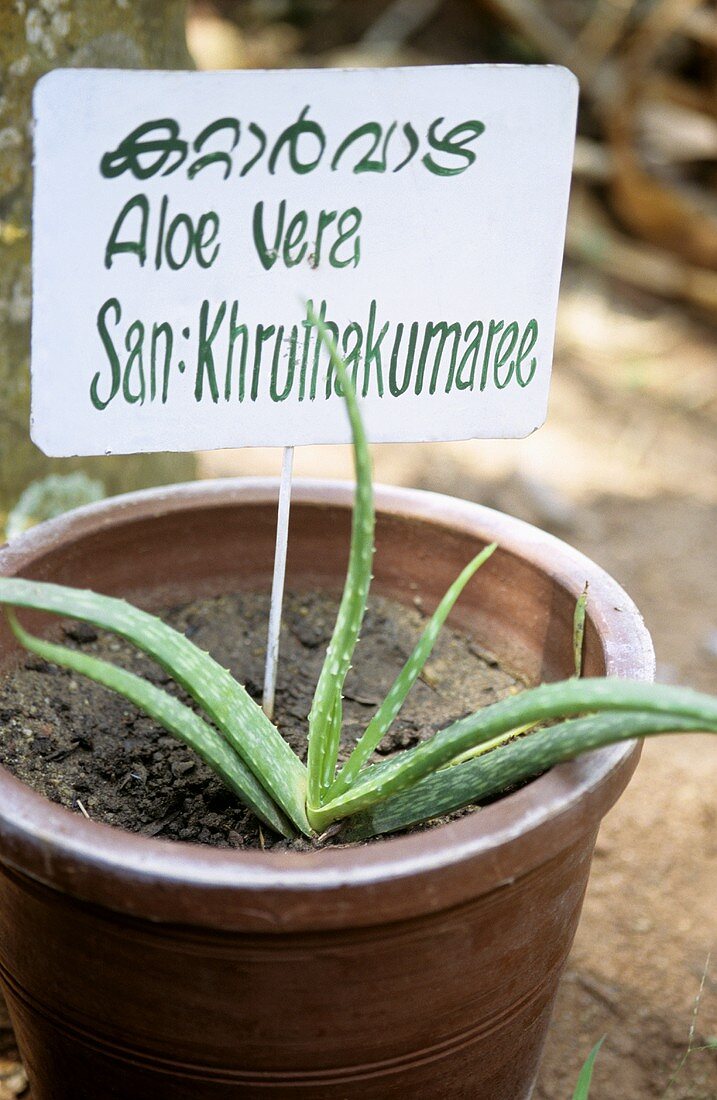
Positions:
(330, 888)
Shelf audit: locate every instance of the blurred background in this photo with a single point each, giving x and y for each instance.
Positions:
(625, 467)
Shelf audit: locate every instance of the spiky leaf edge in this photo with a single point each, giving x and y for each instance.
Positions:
(390, 707)
(565, 699)
(491, 775)
(324, 717)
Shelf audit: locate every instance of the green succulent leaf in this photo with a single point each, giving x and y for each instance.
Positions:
(581, 605)
(333, 739)
(323, 727)
(488, 746)
(487, 776)
(549, 701)
(51, 496)
(389, 709)
(172, 714)
(243, 723)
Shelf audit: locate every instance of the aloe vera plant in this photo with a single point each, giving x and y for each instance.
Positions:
(467, 761)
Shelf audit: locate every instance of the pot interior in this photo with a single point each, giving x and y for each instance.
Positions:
(513, 609)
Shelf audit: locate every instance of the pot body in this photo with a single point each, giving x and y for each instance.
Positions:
(424, 966)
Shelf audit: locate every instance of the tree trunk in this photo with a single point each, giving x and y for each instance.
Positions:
(35, 36)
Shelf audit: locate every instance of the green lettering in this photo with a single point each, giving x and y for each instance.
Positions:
(308, 327)
(235, 331)
(260, 136)
(368, 162)
(503, 353)
(373, 351)
(443, 330)
(137, 244)
(267, 255)
(263, 333)
(181, 221)
(134, 343)
(332, 380)
(413, 143)
(205, 353)
(351, 355)
(494, 327)
(325, 219)
(209, 220)
(291, 136)
(317, 354)
(294, 236)
(160, 330)
(231, 124)
(453, 144)
(160, 235)
(396, 388)
(470, 356)
(274, 393)
(115, 369)
(146, 150)
(353, 215)
(527, 343)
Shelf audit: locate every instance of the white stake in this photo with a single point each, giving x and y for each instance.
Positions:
(277, 586)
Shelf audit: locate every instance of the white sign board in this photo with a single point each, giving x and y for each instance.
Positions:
(182, 222)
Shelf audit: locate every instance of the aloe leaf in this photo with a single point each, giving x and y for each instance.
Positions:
(488, 746)
(582, 1088)
(579, 629)
(387, 712)
(323, 744)
(558, 700)
(452, 788)
(230, 707)
(172, 714)
(333, 739)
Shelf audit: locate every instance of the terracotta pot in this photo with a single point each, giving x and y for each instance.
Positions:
(423, 966)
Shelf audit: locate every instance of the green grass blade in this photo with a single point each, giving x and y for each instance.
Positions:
(230, 707)
(172, 714)
(549, 701)
(452, 788)
(323, 745)
(387, 712)
(582, 1088)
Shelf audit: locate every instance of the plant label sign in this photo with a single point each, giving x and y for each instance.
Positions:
(185, 224)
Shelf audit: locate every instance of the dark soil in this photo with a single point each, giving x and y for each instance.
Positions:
(90, 750)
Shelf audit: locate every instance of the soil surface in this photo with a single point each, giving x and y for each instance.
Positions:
(92, 751)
